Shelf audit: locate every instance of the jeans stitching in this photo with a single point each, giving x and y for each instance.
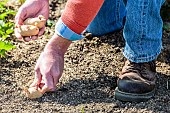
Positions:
(117, 10)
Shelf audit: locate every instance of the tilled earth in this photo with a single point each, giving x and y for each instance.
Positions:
(89, 78)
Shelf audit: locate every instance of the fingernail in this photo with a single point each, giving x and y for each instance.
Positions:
(27, 39)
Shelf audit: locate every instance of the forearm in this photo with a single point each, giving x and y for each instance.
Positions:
(58, 44)
(79, 13)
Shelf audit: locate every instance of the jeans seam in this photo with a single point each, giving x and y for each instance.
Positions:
(117, 10)
(143, 23)
(118, 22)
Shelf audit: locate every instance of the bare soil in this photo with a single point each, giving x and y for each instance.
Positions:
(89, 79)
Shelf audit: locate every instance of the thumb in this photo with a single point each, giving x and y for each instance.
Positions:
(41, 31)
(48, 84)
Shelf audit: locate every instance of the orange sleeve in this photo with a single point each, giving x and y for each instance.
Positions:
(79, 13)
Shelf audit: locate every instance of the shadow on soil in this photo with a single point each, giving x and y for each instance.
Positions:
(85, 91)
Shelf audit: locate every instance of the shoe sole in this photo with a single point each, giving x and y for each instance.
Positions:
(132, 97)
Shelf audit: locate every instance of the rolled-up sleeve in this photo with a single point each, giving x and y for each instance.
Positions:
(76, 17)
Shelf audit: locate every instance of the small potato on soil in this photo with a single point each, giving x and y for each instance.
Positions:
(28, 30)
(38, 21)
(32, 93)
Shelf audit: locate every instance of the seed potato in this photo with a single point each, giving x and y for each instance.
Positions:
(32, 93)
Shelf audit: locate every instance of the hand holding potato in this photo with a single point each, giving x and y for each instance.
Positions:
(31, 26)
(31, 9)
(50, 64)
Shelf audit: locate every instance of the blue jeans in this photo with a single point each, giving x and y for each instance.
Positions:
(142, 29)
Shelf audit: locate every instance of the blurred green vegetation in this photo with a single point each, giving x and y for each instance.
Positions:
(6, 28)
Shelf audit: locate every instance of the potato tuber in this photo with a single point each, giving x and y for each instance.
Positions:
(32, 93)
(28, 30)
(32, 25)
(38, 21)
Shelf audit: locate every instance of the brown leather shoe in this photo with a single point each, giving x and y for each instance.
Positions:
(136, 82)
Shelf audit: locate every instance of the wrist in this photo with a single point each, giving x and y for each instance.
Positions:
(58, 44)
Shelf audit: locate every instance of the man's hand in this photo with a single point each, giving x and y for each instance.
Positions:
(31, 9)
(50, 64)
